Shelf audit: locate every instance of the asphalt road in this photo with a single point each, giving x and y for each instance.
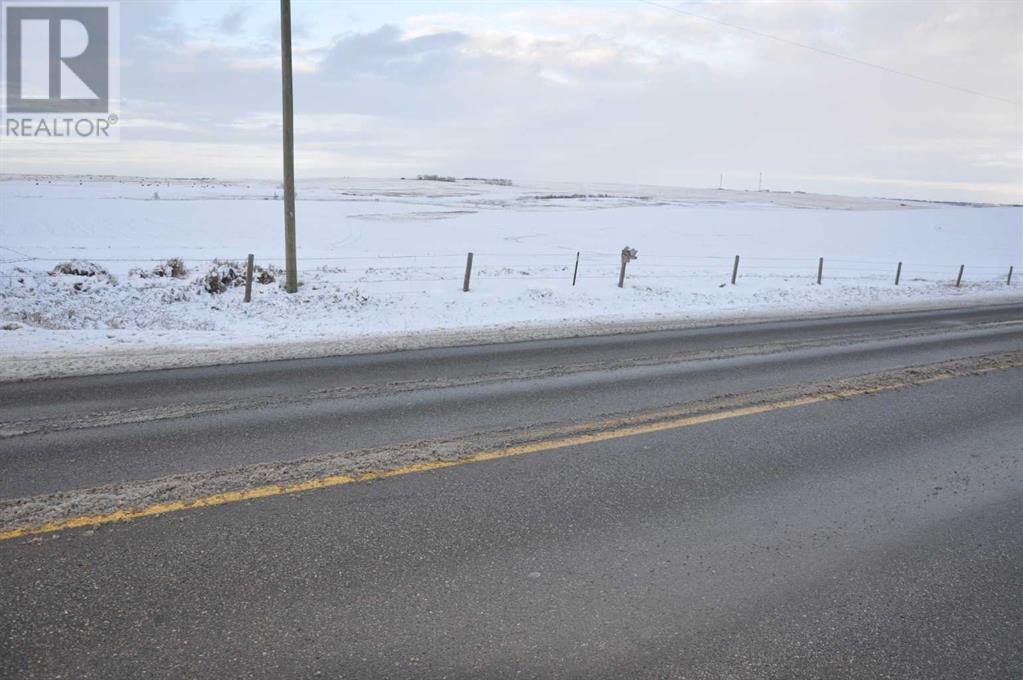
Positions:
(874, 536)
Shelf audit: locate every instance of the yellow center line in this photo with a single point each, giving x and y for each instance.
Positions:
(601, 434)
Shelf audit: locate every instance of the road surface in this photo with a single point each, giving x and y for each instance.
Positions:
(829, 498)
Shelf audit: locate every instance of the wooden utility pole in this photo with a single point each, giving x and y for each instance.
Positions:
(290, 259)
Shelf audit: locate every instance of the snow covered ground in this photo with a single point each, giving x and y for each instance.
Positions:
(381, 263)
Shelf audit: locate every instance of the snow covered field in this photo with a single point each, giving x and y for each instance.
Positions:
(384, 259)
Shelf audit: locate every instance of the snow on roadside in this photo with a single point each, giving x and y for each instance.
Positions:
(382, 261)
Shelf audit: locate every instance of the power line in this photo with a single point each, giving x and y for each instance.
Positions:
(829, 53)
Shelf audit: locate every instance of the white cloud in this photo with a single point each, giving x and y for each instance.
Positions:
(621, 92)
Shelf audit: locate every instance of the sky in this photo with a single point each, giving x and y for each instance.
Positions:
(625, 91)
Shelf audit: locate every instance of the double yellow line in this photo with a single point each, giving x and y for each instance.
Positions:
(590, 434)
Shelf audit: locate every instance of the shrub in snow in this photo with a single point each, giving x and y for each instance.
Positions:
(265, 275)
(350, 299)
(222, 274)
(173, 268)
(78, 268)
(83, 268)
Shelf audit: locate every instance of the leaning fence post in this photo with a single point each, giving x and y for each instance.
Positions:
(959, 278)
(898, 273)
(735, 269)
(576, 272)
(248, 279)
(628, 254)
(468, 273)
(820, 270)
(1008, 281)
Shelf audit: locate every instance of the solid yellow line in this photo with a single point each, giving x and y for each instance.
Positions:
(514, 450)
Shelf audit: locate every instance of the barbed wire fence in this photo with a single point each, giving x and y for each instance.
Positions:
(579, 269)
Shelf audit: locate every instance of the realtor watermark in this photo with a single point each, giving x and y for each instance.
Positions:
(61, 70)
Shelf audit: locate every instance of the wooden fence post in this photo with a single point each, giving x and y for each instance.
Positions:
(576, 272)
(735, 269)
(898, 273)
(248, 278)
(468, 273)
(959, 279)
(820, 270)
(628, 254)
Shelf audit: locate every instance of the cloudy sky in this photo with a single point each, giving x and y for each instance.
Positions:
(625, 91)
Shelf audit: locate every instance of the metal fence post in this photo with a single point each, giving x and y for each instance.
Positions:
(575, 273)
(1008, 281)
(735, 269)
(959, 279)
(820, 270)
(898, 273)
(468, 273)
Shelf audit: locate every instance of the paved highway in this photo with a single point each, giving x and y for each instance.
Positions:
(770, 500)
